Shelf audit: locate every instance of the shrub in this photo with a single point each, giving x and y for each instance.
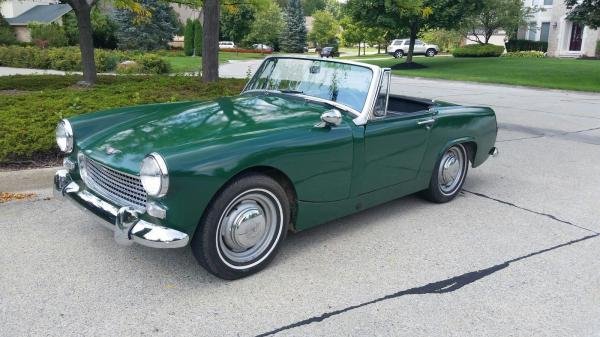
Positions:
(52, 35)
(445, 39)
(198, 38)
(69, 59)
(525, 54)
(526, 45)
(478, 50)
(188, 38)
(28, 118)
(152, 64)
(7, 36)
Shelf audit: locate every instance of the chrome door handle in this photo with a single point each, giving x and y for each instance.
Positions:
(426, 122)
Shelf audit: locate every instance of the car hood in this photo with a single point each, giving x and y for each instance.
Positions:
(172, 128)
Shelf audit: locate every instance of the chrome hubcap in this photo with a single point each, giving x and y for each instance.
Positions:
(248, 226)
(245, 226)
(451, 170)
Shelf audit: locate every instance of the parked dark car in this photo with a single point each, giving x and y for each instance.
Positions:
(329, 52)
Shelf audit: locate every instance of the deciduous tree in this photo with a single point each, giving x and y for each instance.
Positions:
(267, 26)
(586, 12)
(82, 10)
(493, 15)
(325, 28)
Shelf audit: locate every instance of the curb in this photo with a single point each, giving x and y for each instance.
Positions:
(27, 180)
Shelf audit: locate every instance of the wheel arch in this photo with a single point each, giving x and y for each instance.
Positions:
(277, 175)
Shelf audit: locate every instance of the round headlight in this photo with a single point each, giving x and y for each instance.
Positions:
(64, 136)
(154, 175)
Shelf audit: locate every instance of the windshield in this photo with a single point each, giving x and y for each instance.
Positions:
(346, 84)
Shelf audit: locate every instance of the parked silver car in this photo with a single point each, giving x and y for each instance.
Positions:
(399, 48)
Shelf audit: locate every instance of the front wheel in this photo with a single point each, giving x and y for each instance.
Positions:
(243, 227)
(398, 54)
(448, 175)
(430, 53)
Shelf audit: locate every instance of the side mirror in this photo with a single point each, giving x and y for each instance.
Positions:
(330, 118)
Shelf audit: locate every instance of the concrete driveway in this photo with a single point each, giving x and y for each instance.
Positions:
(515, 255)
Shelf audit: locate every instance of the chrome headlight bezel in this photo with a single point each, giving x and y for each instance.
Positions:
(154, 175)
(64, 136)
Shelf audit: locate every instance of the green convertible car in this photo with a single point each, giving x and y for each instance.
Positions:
(307, 141)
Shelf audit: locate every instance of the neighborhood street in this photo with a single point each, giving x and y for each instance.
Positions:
(516, 254)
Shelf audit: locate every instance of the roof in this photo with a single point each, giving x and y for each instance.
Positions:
(42, 14)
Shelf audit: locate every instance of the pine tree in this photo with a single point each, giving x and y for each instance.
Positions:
(198, 38)
(293, 36)
(153, 33)
(188, 38)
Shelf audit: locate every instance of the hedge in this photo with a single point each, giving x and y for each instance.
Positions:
(31, 105)
(526, 45)
(478, 50)
(69, 59)
(247, 51)
(525, 54)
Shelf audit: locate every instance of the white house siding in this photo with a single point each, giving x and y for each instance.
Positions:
(541, 18)
(499, 39)
(553, 15)
(13, 8)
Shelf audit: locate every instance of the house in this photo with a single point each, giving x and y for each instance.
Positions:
(20, 13)
(499, 38)
(565, 38)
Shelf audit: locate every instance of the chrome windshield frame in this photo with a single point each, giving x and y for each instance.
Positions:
(359, 117)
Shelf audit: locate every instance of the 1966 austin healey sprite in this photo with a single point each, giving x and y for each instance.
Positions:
(307, 141)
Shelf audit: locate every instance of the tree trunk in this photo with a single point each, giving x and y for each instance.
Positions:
(210, 45)
(86, 42)
(414, 30)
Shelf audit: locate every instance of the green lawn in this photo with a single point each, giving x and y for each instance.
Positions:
(183, 64)
(568, 74)
(30, 106)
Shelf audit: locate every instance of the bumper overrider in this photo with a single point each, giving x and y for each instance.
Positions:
(125, 221)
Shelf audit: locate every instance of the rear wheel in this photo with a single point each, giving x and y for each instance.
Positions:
(398, 54)
(243, 227)
(448, 175)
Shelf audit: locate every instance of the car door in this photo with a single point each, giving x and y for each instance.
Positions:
(394, 144)
(419, 47)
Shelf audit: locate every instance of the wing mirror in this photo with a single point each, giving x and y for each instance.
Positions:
(330, 118)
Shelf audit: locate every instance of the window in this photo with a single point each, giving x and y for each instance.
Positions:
(545, 31)
(548, 2)
(398, 43)
(531, 34)
(343, 83)
(382, 97)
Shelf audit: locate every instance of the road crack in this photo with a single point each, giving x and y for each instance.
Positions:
(508, 203)
(440, 287)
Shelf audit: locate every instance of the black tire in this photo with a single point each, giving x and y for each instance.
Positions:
(209, 244)
(430, 52)
(437, 191)
(398, 53)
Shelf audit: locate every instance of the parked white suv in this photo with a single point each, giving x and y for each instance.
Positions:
(226, 45)
(399, 48)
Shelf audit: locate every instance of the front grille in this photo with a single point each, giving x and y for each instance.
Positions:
(121, 188)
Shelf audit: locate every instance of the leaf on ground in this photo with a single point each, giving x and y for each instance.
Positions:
(9, 196)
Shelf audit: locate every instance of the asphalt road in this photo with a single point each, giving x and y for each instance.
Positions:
(515, 255)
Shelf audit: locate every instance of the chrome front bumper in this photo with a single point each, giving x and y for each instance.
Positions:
(124, 221)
